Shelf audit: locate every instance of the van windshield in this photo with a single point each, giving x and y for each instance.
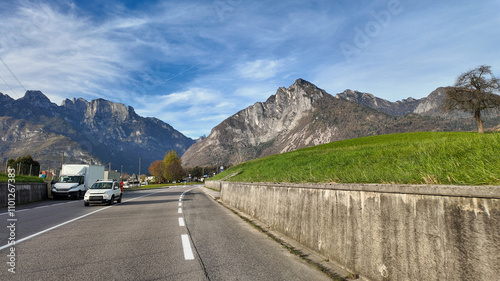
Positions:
(71, 179)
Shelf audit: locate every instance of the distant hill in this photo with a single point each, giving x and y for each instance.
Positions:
(100, 130)
(304, 115)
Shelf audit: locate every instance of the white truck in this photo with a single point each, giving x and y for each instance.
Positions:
(75, 179)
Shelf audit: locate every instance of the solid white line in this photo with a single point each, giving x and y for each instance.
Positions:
(179, 211)
(54, 227)
(45, 206)
(66, 222)
(181, 222)
(186, 245)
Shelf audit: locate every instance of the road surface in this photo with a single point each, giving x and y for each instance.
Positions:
(163, 234)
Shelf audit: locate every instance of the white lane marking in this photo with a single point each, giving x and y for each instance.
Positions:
(181, 222)
(54, 227)
(45, 206)
(72, 220)
(180, 204)
(179, 211)
(186, 245)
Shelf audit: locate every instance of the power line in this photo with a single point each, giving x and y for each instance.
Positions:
(9, 86)
(13, 75)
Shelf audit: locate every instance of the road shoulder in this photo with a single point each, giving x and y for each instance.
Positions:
(322, 263)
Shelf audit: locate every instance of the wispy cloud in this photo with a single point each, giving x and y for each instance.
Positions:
(259, 69)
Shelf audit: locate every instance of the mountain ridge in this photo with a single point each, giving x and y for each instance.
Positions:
(99, 130)
(304, 115)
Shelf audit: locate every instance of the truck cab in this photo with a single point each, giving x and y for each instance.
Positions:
(69, 186)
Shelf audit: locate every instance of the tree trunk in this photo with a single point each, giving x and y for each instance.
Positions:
(479, 121)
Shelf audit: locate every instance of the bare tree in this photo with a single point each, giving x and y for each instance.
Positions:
(474, 92)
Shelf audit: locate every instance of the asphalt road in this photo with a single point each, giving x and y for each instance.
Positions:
(164, 234)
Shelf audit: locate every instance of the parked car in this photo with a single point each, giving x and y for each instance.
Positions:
(103, 191)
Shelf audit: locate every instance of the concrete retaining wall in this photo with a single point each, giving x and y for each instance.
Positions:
(25, 192)
(384, 232)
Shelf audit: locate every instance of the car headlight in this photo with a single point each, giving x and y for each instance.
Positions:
(105, 196)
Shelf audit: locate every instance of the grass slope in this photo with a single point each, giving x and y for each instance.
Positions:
(20, 178)
(410, 158)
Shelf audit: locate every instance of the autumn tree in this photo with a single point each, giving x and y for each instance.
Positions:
(172, 168)
(474, 92)
(156, 169)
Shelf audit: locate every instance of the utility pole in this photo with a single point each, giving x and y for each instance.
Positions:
(62, 159)
(139, 167)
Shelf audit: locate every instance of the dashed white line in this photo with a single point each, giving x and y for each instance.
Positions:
(186, 245)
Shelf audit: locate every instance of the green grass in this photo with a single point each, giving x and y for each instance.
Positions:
(20, 178)
(455, 158)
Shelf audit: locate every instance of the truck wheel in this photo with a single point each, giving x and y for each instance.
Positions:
(78, 195)
(112, 200)
(119, 199)
(86, 203)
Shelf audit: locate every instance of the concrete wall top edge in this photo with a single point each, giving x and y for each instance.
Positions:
(480, 191)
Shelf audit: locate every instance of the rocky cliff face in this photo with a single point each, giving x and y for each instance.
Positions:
(398, 108)
(99, 129)
(304, 115)
(428, 106)
(251, 132)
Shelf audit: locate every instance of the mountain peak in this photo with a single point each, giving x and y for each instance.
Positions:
(302, 82)
(5, 98)
(36, 98)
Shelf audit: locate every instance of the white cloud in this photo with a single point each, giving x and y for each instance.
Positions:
(259, 69)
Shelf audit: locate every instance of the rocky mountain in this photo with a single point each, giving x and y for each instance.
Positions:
(304, 115)
(398, 108)
(428, 106)
(100, 130)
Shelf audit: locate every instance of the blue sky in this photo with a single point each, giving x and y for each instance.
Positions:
(194, 63)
